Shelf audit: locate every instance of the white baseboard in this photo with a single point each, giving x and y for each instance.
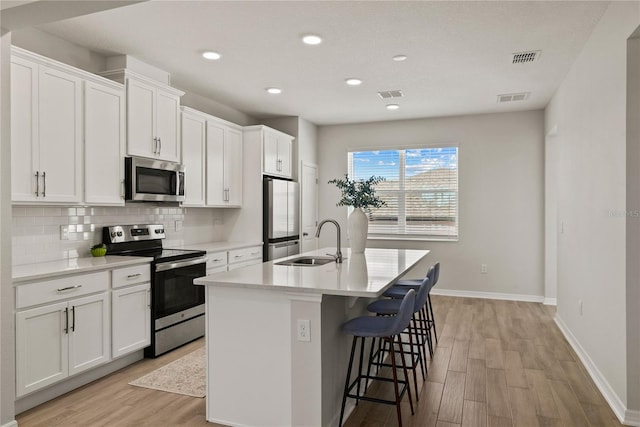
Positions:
(626, 417)
(487, 295)
(13, 423)
(550, 301)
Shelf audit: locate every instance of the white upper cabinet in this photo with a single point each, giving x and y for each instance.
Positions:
(224, 164)
(194, 126)
(153, 116)
(104, 138)
(277, 150)
(46, 130)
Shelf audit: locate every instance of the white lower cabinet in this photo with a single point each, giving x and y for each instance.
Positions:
(69, 324)
(131, 321)
(58, 340)
(130, 309)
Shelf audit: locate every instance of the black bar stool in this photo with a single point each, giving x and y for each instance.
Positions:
(388, 329)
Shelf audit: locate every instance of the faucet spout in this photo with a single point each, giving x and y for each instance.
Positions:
(338, 255)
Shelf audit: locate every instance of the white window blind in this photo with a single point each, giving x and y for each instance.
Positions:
(420, 191)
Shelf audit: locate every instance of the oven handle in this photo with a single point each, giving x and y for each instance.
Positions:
(171, 265)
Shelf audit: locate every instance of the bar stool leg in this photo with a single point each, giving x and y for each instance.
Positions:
(404, 369)
(360, 370)
(415, 377)
(433, 319)
(395, 384)
(346, 382)
(373, 344)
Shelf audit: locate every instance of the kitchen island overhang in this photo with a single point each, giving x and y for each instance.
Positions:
(259, 371)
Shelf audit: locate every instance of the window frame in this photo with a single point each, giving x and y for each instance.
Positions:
(403, 192)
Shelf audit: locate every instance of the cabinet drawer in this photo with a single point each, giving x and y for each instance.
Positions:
(216, 260)
(245, 254)
(59, 289)
(131, 275)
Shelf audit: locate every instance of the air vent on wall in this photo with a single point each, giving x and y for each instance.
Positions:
(510, 97)
(390, 94)
(525, 57)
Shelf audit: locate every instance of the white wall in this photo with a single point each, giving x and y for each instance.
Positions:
(7, 366)
(589, 110)
(633, 222)
(501, 184)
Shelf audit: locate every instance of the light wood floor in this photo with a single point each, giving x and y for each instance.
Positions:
(497, 363)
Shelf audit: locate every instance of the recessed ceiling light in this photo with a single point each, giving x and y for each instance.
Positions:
(353, 81)
(399, 58)
(210, 55)
(392, 106)
(274, 90)
(312, 39)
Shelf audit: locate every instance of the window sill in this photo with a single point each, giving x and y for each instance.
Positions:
(400, 237)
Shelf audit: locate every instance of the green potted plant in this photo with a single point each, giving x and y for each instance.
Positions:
(361, 195)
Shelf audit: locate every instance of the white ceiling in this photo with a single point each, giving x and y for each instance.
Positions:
(459, 53)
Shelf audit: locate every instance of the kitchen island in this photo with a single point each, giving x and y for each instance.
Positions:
(276, 355)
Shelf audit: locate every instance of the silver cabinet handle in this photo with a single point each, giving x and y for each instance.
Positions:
(122, 190)
(66, 320)
(73, 318)
(148, 298)
(37, 183)
(131, 276)
(69, 288)
(305, 234)
(238, 256)
(44, 184)
(159, 145)
(255, 253)
(217, 260)
(155, 145)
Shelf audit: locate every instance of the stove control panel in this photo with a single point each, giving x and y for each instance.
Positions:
(132, 233)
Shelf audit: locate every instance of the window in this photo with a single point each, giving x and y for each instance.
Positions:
(420, 191)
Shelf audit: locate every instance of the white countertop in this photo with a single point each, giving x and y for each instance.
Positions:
(48, 270)
(220, 246)
(360, 275)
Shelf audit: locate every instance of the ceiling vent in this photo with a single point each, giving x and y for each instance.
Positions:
(525, 57)
(510, 97)
(390, 94)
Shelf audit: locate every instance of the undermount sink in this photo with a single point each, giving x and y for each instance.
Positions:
(307, 261)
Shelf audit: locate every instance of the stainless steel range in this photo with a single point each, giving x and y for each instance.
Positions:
(177, 305)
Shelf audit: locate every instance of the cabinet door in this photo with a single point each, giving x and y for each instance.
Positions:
(193, 159)
(41, 347)
(24, 130)
(233, 166)
(270, 153)
(284, 155)
(59, 134)
(131, 320)
(216, 190)
(167, 129)
(89, 332)
(140, 119)
(103, 144)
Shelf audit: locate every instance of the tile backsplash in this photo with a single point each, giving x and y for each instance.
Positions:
(37, 233)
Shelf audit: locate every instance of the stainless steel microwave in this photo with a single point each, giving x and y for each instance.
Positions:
(153, 180)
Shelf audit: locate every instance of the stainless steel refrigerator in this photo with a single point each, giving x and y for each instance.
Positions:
(280, 218)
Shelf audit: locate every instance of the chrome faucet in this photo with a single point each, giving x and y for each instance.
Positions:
(338, 255)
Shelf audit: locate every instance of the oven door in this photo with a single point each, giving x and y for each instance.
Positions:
(175, 297)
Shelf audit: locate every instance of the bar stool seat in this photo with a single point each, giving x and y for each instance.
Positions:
(388, 329)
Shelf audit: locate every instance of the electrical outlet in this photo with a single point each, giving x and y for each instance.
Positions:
(178, 225)
(304, 331)
(483, 269)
